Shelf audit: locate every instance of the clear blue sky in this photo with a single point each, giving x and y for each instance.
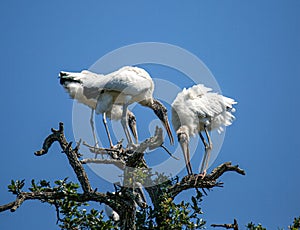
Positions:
(251, 47)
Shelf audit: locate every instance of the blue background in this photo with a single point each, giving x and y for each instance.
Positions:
(252, 48)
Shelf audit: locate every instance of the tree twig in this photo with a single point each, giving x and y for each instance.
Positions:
(233, 226)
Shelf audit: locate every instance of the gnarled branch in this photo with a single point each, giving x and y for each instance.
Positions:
(209, 181)
(72, 154)
(131, 157)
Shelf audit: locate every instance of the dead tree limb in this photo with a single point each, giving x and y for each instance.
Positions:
(233, 226)
(118, 163)
(72, 155)
(132, 157)
(209, 181)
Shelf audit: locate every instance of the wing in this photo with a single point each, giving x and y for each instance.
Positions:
(127, 80)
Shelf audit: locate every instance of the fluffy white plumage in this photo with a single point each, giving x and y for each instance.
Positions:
(199, 106)
(199, 109)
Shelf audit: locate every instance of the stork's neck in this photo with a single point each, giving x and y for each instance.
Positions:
(148, 103)
(183, 130)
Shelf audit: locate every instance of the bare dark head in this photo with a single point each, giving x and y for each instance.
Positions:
(76, 77)
(162, 113)
(67, 77)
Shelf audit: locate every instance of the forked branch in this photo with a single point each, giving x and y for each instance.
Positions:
(72, 154)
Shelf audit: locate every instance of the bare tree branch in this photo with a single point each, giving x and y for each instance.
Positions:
(233, 226)
(225, 167)
(72, 154)
(209, 181)
(118, 163)
(131, 157)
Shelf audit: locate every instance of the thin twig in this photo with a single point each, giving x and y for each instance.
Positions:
(167, 150)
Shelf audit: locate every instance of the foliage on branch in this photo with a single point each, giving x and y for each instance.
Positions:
(296, 224)
(16, 186)
(170, 215)
(252, 226)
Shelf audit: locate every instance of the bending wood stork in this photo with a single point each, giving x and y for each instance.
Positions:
(122, 87)
(198, 109)
(74, 84)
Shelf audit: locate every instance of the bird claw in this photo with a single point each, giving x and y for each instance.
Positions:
(201, 175)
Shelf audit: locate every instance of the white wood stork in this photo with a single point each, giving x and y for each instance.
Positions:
(122, 87)
(74, 84)
(198, 109)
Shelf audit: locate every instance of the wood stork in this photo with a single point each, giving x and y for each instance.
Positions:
(196, 110)
(122, 87)
(75, 88)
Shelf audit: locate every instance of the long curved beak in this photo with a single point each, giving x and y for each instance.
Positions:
(184, 143)
(132, 125)
(168, 129)
(133, 129)
(161, 112)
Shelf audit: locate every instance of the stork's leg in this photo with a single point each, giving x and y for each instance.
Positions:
(202, 172)
(208, 148)
(93, 129)
(184, 143)
(107, 130)
(124, 122)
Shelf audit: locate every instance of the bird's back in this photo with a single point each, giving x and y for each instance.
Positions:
(199, 106)
(128, 80)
